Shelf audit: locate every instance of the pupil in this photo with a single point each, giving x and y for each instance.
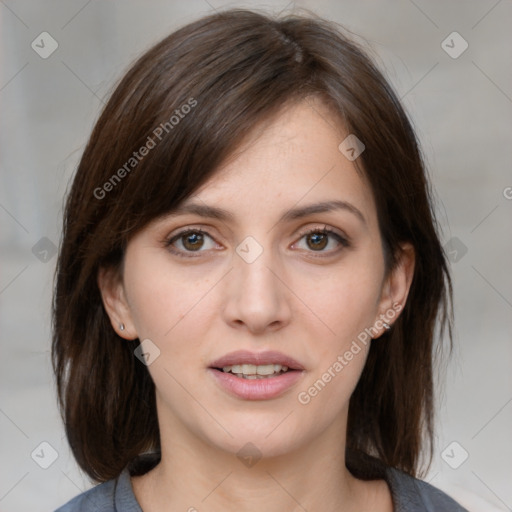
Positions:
(193, 240)
(317, 239)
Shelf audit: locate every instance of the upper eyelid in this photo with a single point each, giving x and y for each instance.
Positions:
(319, 227)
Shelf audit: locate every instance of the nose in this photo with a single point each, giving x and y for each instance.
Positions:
(256, 297)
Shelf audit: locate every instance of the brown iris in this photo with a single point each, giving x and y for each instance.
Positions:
(320, 240)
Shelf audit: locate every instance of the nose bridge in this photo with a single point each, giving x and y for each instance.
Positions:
(256, 295)
(253, 262)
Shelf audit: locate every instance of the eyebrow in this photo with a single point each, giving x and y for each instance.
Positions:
(221, 214)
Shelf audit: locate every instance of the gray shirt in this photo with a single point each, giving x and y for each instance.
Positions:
(409, 495)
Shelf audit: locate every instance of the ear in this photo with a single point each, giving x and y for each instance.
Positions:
(115, 303)
(396, 288)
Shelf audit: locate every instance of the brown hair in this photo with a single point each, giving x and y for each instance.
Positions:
(233, 70)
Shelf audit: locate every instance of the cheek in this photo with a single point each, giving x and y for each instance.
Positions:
(345, 300)
(348, 308)
(163, 298)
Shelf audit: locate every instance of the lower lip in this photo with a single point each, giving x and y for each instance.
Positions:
(256, 389)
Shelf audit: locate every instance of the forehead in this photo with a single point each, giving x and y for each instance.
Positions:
(292, 160)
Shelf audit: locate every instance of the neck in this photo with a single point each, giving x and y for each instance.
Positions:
(193, 474)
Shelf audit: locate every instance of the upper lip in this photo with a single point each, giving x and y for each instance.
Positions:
(256, 358)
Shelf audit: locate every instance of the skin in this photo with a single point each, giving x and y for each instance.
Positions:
(198, 308)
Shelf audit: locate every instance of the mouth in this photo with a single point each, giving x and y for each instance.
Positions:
(256, 365)
(256, 376)
(252, 371)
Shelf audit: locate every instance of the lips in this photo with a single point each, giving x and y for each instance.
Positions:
(256, 387)
(256, 358)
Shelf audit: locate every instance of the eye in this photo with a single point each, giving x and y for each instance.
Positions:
(189, 241)
(318, 239)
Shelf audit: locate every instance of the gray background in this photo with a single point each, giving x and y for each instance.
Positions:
(461, 107)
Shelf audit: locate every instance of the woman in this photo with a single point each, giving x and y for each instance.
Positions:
(250, 280)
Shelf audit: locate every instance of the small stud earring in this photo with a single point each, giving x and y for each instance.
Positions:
(386, 326)
(121, 327)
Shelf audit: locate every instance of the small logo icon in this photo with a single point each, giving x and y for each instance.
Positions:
(455, 249)
(44, 45)
(44, 455)
(454, 45)
(454, 455)
(249, 455)
(507, 192)
(44, 250)
(147, 352)
(351, 147)
(249, 249)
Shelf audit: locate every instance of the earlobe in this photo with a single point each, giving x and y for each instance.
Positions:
(396, 288)
(115, 303)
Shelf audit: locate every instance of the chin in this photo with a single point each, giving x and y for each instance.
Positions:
(258, 440)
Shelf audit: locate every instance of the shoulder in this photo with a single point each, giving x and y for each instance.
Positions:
(113, 496)
(413, 495)
(100, 498)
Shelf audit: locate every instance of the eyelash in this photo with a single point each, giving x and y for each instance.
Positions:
(189, 254)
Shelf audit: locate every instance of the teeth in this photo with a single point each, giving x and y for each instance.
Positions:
(267, 369)
(248, 369)
(252, 371)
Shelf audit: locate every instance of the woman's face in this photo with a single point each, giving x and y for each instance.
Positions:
(200, 288)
